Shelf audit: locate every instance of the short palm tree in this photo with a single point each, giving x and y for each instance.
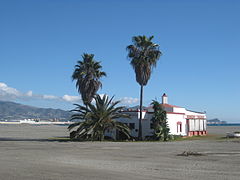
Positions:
(87, 74)
(144, 55)
(160, 124)
(97, 118)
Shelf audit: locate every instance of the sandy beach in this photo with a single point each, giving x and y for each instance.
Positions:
(30, 152)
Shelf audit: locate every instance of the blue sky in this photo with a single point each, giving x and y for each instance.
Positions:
(40, 42)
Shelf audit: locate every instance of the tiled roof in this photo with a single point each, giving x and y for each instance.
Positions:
(175, 113)
(169, 105)
(170, 113)
(164, 105)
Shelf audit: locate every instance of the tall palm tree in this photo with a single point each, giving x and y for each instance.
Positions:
(97, 118)
(144, 55)
(87, 74)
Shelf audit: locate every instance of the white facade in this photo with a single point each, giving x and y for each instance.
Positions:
(180, 120)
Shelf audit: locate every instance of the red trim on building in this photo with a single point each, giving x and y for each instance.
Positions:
(175, 113)
(169, 113)
(195, 117)
(165, 105)
(169, 105)
(197, 133)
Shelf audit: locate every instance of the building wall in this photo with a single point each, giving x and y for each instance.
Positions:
(174, 121)
(177, 124)
(133, 120)
(180, 121)
(147, 131)
(178, 110)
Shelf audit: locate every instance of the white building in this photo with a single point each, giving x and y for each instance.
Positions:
(180, 120)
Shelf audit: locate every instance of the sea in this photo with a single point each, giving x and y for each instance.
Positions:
(227, 124)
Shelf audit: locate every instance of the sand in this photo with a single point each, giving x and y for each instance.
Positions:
(27, 153)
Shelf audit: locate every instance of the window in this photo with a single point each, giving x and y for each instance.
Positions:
(179, 126)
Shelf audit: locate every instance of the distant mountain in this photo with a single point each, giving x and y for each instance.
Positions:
(215, 121)
(135, 107)
(16, 111)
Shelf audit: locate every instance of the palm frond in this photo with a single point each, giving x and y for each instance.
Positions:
(87, 74)
(98, 117)
(71, 126)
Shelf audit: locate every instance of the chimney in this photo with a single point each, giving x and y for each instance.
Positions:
(164, 99)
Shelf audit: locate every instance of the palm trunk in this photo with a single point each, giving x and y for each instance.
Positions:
(140, 119)
(102, 137)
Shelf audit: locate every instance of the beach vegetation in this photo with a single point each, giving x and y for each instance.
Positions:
(96, 118)
(159, 122)
(87, 74)
(144, 55)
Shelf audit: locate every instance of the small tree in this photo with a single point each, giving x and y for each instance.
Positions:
(160, 124)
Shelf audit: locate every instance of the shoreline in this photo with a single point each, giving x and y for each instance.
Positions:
(226, 124)
(36, 123)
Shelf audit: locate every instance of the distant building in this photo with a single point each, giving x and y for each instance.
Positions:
(180, 120)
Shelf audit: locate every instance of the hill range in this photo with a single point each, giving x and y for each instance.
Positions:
(16, 111)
